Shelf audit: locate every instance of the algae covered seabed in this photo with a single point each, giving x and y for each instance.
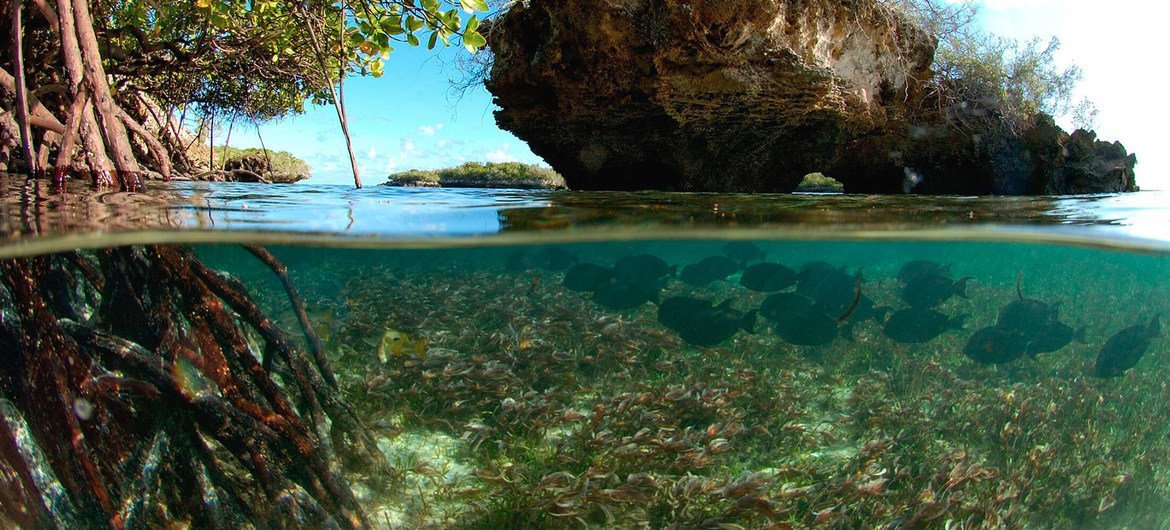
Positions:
(519, 403)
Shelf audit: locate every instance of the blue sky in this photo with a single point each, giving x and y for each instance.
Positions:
(410, 118)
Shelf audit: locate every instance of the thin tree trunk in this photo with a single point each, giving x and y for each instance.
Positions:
(115, 132)
(227, 143)
(95, 147)
(211, 143)
(21, 90)
(65, 154)
(338, 98)
(265, 149)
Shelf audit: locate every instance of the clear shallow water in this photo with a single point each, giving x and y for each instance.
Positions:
(499, 393)
(34, 220)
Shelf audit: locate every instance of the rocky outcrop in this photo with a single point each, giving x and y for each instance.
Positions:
(747, 95)
(752, 95)
(273, 166)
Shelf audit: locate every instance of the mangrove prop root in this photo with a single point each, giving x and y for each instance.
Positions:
(315, 347)
(156, 409)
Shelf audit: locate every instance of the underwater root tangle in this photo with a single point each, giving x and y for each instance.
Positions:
(133, 378)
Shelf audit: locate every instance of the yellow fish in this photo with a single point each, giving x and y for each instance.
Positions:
(395, 343)
(322, 324)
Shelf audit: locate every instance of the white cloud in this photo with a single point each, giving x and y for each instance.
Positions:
(430, 130)
(372, 153)
(501, 154)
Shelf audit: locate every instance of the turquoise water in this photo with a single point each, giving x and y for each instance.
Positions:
(491, 390)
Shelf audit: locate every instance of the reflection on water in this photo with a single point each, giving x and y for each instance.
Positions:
(384, 213)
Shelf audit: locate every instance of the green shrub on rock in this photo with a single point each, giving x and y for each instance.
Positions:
(482, 175)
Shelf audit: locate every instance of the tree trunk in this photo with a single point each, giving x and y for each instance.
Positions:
(115, 132)
(22, 114)
(91, 139)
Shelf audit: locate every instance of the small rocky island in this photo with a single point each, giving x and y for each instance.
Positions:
(752, 95)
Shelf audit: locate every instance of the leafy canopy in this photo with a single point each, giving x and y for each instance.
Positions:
(263, 59)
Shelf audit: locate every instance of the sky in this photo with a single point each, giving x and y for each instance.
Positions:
(412, 119)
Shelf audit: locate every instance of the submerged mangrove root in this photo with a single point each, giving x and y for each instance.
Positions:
(137, 377)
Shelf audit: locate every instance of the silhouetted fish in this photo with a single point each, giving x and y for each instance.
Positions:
(1025, 316)
(708, 270)
(931, 289)
(626, 293)
(586, 277)
(776, 307)
(828, 285)
(700, 324)
(743, 251)
(994, 345)
(1123, 350)
(811, 328)
(917, 325)
(914, 269)
(1052, 336)
(767, 277)
(643, 267)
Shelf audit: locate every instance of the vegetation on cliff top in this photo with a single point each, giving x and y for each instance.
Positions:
(993, 81)
(482, 175)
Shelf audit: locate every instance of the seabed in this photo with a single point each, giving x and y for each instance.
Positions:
(531, 406)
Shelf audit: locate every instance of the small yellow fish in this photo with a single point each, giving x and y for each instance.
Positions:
(396, 343)
(322, 324)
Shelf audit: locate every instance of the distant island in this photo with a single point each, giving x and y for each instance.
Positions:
(481, 175)
(530, 176)
(818, 183)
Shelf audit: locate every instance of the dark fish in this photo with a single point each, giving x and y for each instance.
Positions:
(994, 346)
(781, 305)
(625, 293)
(708, 270)
(767, 278)
(555, 259)
(810, 328)
(743, 251)
(586, 277)
(1052, 336)
(643, 267)
(1125, 348)
(700, 324)
(931, 289)
(1025, 316)
(831, 287)
(867, 310)
(915, 269)
(917, 325)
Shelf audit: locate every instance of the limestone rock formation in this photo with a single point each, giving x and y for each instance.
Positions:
(752, 95)
(746, 95)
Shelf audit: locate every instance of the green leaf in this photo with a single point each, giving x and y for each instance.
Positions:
(434, 40)
(412, 40)
(414, 24)
(472, 24)
(473, 41)
(391, 24)
(471, 6)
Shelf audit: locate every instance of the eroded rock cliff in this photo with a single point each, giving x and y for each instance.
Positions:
(751, 95)
(744, 95)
